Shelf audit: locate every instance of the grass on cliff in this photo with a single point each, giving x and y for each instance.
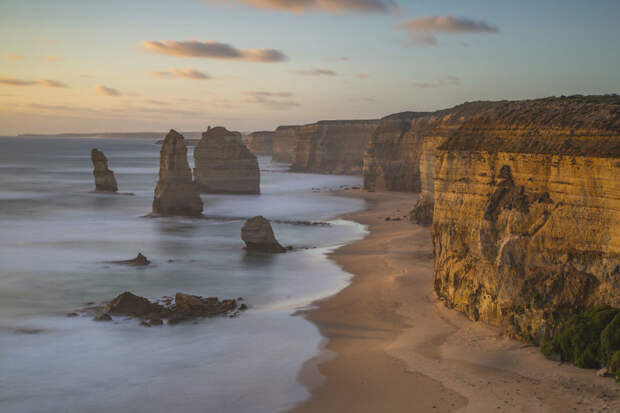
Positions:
(589, 340)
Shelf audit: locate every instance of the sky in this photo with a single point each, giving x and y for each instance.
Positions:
(152, 65)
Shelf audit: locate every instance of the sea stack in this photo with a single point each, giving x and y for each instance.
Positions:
(261, 143)
(104, 178)
(258, 236)
(176, 193)
(223, 164)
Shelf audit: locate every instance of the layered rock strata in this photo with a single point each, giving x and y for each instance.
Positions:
(104, 177)
(526, 226)
(261, 143)
(176, 193)
(284, 144)
(223, 164)
(333, 146)
(258, 236)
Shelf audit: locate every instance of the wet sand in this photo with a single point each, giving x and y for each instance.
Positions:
(392, 346)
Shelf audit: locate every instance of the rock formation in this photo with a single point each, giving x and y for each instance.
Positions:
(223, 164)
(526, 227)
(422, 213)
(258, 236)
(333, 147)
(261, 143)
(176, 193)
(104, 178)
(284, 144)
(139, 261)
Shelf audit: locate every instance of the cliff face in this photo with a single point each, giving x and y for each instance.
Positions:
(284, 144)
(176, 193)
(261, 143)
(422, 213)
(526, 226)
(104, 177)
(334, 147)
(223, 164)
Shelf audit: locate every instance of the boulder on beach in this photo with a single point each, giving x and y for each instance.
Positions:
(176, 194)
(104, 177)
(258, 236)
(223, 164)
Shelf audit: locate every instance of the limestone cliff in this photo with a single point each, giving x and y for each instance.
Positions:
(334, 147)
(284, 144)
(261, 143)
(223, 164)
(104, 177)
(176, 193)
(526, 226)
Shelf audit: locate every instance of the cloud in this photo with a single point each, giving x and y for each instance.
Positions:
(188, 73)
(12, 56)
(448, 81)
(423, 31)
(107, 91)
(213, 50)
(337, 59)
(273, 100)
(25, 82)
(317, 72)
(331, 6)
(52, 58)
(157, 102)
(48, 40)
(362, 75)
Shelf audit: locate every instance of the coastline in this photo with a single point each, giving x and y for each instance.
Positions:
(392, 346)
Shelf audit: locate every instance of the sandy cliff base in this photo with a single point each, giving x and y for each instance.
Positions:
(393, 347)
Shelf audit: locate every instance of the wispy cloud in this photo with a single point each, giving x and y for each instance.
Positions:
(12, 56)
(331, 6)
(26, 82)
(448, 81)
(52, 58)
(212, 49)
(156, 102)
(361, 75)
(337, 59)
(188, 73)
(273, 100)
(424, 30)
(316, 72)
(107, 91)
(47, 40)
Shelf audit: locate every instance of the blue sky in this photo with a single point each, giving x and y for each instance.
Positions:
(481, 50)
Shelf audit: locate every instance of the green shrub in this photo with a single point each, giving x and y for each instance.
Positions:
(614, 365)
(610, 339)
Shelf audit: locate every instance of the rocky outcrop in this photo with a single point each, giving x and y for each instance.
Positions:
(422, 213)
(284, 144)
(261, 143)
(176, 193)
(139, 261)
(527, 213)
(104, 177)
(223, 164)
(333, 147)
(258, 236)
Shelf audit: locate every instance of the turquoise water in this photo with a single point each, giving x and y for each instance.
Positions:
(55, 235)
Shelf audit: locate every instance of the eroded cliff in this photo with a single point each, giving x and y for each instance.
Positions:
(261, 143)
(284, 144)
(333, 147)
(526, 225)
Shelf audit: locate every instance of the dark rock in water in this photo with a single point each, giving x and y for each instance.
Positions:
(139, 261)
(192, 306)
(144, 323)
(104, 178)
(133, 305)
(243, 307)
(258, 236)
(156, 322)
(72, 314)
(103, 317)
(176, 193)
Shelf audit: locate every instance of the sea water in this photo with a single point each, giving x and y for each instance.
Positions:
(56, 236)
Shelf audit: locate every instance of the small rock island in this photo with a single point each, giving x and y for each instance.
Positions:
(104, 177)
(258, 236)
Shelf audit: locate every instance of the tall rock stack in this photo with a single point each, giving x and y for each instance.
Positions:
(526, 228)
(284, 143)
(223, 164)
(261, 143)
(104, 178)
(176, 194)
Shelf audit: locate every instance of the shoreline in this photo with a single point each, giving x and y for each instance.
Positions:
(390, 345)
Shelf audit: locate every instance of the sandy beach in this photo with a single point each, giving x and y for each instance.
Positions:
(392, 346)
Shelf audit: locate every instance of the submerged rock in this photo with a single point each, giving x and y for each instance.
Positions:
(176, 193)
(102, 317)
(258, 236)
(104, 177)
(223, 164)
(139, 261)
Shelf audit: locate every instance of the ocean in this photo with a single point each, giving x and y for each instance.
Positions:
(56, 236)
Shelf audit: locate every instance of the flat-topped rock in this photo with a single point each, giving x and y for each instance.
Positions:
(104, 177)
(176, 194)
(223, 164)
(284, 143)
(258, 236)
(261, 143)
